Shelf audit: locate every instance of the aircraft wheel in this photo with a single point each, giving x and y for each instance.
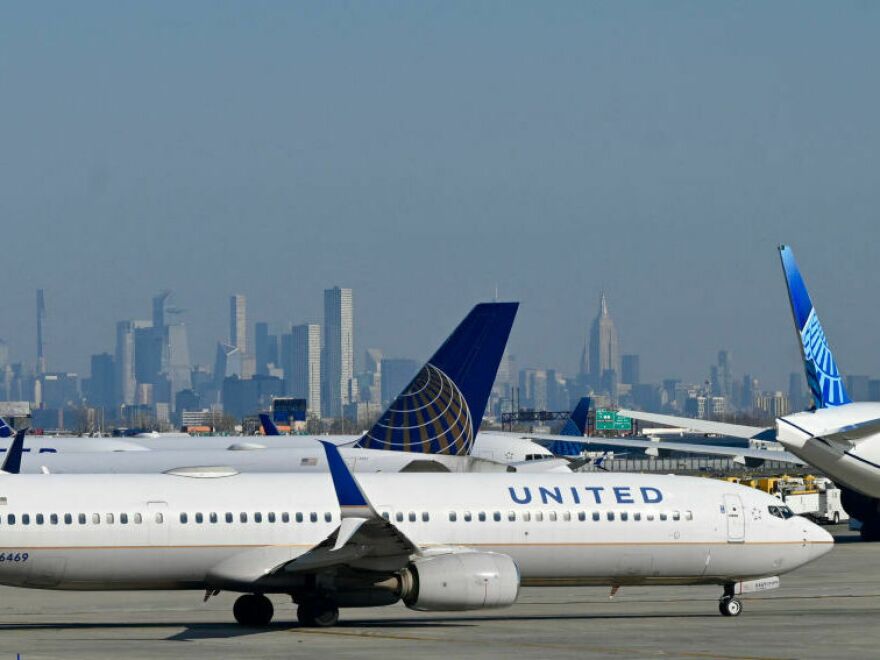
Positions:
(317, 614)
(253, 610)
(729, 606)
(836, 518)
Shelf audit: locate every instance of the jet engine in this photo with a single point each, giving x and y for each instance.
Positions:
(460, 581)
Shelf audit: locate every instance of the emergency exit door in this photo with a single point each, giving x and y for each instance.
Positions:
(736, 520)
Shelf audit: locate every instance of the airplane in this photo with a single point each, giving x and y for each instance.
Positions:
(432, 425)
(436, 541)
(838, 436)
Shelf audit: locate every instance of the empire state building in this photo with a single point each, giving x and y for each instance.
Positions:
(604, 355)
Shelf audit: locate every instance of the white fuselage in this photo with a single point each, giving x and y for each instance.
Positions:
(492, 452)
(856, 466)
(174, 532)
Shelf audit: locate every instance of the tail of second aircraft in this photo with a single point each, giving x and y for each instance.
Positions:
(440, 411)
(268, 425)
(823, 378)
(576, 424)
(6, 431)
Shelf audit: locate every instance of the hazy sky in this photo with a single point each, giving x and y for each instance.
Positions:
(423, 153)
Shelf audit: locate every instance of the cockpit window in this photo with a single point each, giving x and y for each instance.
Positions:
(780, 511)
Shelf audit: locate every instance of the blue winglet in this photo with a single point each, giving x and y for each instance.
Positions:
(6, 431)
(823, 378)
(268, 425)
(12, 460)
(347, 491)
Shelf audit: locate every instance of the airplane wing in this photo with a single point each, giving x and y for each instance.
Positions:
(704, 426)
(737, 453)
(364, 539)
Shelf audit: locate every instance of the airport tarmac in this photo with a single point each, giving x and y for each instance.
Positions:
(827, 609)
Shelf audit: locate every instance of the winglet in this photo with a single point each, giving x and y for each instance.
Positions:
(6, 431)
(268, 425)
(348, 493)
(823, 378)
(12, 460)
(576, 424)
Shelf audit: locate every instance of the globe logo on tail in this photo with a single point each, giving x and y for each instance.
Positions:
(431, 416)
(826, 384)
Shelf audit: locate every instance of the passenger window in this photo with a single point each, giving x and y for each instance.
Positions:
(566, 515)
(10, 519)
(676, 515)
(453, 516)
(108, 518)
(229, 517)
(212, 517)
(285, 517)
(582, 515)
(53, 518)
(386, 515)
(467, 516)
(40, 519)
(399, 516)
(96, 518)
(82, 519)
(552, 516)
(138, 519)
(688, 515)
(649, 516)
(425, 516)
(68, 519)
(662, 516)
(328, 517)
(610, 515)
(25, 519)
(199, 518)
(242, 517)
(637, 516)
(313, 516)
(123, 518)
(511, 516)
(596, 515)
(258, 517)
(270, 516)
(184, 518)
(299, 517)
(539, 516)
(159, 518)
(412, 516)
(527, 516)
(624, 515)
(496, 516)
(481, 516)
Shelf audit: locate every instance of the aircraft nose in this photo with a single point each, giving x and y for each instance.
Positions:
(818, 541)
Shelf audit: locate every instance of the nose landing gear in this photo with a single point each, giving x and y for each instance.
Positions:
(253, 610)
(729, 605)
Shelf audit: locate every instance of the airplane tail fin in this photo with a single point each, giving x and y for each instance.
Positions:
(268, 425)
(12, 462)
(6, 431)
(576, 424)
(440, 411)
(823, 378)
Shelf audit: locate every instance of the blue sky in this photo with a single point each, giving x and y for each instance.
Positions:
(424, 153)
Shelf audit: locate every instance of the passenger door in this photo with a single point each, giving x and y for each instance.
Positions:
(736, 520)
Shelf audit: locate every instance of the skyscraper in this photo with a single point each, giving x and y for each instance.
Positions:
(301, 360)
(265, 348)
(629, 369)
(126, 382)
(604, 346)
(337, 357)
(238, 322)
(41, 320)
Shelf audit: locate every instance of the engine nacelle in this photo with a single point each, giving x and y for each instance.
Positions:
(460, 581)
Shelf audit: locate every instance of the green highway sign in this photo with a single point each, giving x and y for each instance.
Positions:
(609, 420)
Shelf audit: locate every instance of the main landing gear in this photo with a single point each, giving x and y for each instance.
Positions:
(253, 610)
(317, 613)
(729, 605)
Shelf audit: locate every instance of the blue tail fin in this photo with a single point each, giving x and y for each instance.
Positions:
(576, 424)
(440, 411)
(268, 425)
(823, 378)
(6, 431)
(12, 461)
